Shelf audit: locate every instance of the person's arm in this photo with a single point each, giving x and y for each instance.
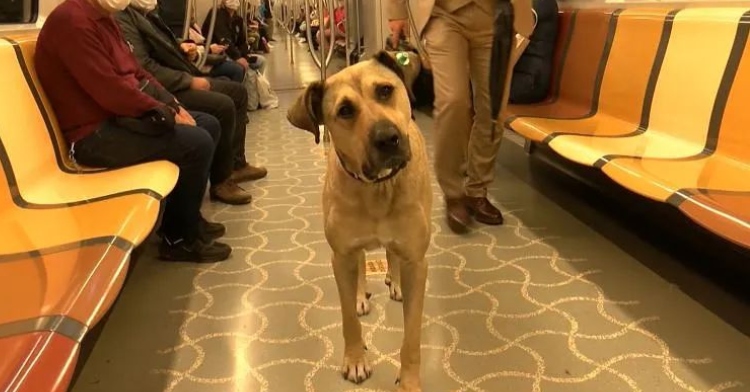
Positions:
(171, 79)
(93, 69)
(241, 43)
(222, 31)
(396, 10)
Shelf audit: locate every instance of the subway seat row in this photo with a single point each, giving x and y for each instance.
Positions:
(66, 232)
(657, 99)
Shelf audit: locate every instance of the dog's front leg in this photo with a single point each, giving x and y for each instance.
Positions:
(393, 277)
(363, 297)
(345, 269)
(413, 284)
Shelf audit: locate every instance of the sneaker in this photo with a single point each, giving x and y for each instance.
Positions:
(248, 173)
(210, 231)
(197, 251)
(230, 193)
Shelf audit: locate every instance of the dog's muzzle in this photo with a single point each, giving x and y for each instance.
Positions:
(388, 151)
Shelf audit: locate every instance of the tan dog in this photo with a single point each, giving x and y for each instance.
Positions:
(377, 192)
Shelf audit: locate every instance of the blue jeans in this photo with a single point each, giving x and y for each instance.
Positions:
(229, 69)
(191, 148)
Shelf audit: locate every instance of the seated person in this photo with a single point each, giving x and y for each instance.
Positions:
(217, 64)
(532, 74)
(115, 114)
(159, 53)
(229, 30)
(339, 17)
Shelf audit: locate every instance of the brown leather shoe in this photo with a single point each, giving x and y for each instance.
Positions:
(230, 193)
(248, 173)
(457, 216)
(483, 211)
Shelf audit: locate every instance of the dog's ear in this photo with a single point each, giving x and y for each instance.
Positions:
(307, 111)
(389, 62)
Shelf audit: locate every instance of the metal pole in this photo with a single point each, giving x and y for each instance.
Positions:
(203, 59)
(308, 32)
(188, 13)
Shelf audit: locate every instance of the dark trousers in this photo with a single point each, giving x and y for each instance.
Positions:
(229, 69)
(227, 101)
(191, 148)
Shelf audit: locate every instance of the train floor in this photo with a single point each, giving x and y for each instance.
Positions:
(545, 302)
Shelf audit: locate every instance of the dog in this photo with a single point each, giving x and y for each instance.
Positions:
(377, 193)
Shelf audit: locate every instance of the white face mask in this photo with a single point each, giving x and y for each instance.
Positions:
(145, 5)
(114, 5)
(232, 4)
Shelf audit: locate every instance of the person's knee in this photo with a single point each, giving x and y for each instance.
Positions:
(209, 123)
(197, 144)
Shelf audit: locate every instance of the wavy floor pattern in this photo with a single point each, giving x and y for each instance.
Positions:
(542, 303)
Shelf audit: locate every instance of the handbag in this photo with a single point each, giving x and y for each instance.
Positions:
(156, 122)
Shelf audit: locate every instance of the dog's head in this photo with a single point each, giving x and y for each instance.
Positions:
(367, 112)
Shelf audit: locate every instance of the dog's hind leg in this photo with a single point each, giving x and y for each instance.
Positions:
(363, 297)
(345, 269)
(413, 283)
(393, 276)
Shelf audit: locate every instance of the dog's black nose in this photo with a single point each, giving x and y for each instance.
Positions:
(386, 137)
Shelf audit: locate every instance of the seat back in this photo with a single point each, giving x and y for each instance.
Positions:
(30, 140)
(582, 62)
(689, 80)
(734, 132)
(564, 35)
(639, 35)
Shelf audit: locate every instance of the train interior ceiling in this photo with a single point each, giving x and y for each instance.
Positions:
(622, 264)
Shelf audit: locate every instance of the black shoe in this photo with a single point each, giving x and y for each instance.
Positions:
(197, 251)
(211, 230)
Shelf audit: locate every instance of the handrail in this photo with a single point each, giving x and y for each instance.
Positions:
(206, 52)
(332, 22)
(308, 32)
(189, 7)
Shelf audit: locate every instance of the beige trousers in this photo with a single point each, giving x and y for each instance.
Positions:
(459, 45)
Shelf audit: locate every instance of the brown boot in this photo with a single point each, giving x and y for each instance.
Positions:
(483, 211)
(248, 173)
(230, 193)
(457, 216)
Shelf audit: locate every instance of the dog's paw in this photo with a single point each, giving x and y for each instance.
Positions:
(363, 305)
(356, 370)
(395, 290)
(403, 387)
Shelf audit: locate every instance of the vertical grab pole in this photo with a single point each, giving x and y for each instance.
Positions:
(188, 13)
(347, 29)
(203, 59)
(358, 29)
(332, 23)
(324, 60)
(309, 33)
(291, 36)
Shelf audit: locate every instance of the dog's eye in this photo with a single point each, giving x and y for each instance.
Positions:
(384, 91)
(346, 111)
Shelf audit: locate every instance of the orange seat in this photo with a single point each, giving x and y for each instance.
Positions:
(32, 140)
(639, 40)
(581, 60)
(67, 236)
(724, 213)
(36, 361)
(689, 79)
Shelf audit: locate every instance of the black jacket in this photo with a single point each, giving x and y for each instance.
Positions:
(229, 29)
(533, 72)
(157, 49)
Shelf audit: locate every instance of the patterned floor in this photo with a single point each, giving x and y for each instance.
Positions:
(543, 303)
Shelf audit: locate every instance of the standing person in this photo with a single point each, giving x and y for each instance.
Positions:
(456, 32)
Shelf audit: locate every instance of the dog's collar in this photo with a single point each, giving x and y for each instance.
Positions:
(357, 177)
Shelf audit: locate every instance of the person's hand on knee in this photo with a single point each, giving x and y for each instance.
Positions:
(200, 84)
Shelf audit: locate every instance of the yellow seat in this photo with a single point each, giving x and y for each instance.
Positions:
(32, 140)
(580, 63)
(682, 105)
(620, 104)
(37, 361)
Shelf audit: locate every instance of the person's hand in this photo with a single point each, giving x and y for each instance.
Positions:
(200, 84)
(188, 47)
(184, 118)
(243, 62)
(397, 27)
(218, 49)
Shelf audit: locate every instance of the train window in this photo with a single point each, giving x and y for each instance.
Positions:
(18, 11)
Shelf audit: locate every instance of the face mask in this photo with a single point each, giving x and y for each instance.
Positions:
(114, 5)
(232, 4)
(145, 5)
